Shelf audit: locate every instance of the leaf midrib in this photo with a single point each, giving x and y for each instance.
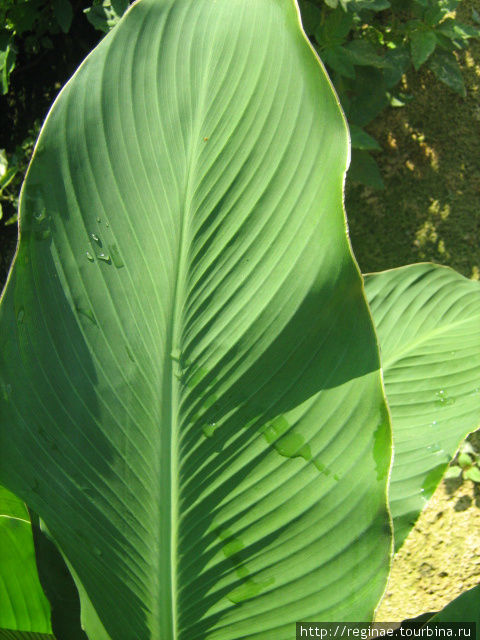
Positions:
(174, 344)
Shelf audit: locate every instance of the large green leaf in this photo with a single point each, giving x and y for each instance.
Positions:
(428, 323)
(22, 603)
(194, 403)
(465, 608)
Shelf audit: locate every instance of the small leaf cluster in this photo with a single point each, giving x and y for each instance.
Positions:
(12, 170)
(466, 464)
(28, 29)
(31, 23)
(368, 45)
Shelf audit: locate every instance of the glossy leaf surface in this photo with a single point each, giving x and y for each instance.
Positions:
(194, 404)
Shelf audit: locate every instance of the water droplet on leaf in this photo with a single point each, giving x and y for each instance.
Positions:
(40, 216)
(88, 313)
(209, 429)
(116, 257)
(104, 256)
(89, 256)
(6, 391)
(443, 399)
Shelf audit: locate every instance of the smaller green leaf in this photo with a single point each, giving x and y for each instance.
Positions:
(453, 472)
(338, 59)
(400, 99)
(422, 45)
(368, 96)
(475, 16)
(335, 28)
(6, 179)
(472, 474)
(448, 5)
(12, 220)
(311, 16)
(445, 66)
(7, 63)
(331, 3)
(104, 14)
(63, 12)
(364, 53)
(120, 6)
(364, 169)
(3, 163)
(433, 15)
(466, 447)
(456, 30)
(360, 139)
(464, 460)
(397, 61)
(369, 5)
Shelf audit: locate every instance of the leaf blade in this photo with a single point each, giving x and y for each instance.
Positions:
(427, 321)
(161, 308)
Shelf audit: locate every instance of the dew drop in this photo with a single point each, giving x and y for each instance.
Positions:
(98, 220)
(40, 216)
(20, 316)
(209, 429)
(87, 313)
(286, 442)
(94, 236)
(107, 224)
(89, 256)
(321, 467)
(6, 391)
(116, 257)
(129, 353)
(443, 399)
(104, 257)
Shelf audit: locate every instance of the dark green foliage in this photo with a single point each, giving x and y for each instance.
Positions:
(31, 33)
(367, 46)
